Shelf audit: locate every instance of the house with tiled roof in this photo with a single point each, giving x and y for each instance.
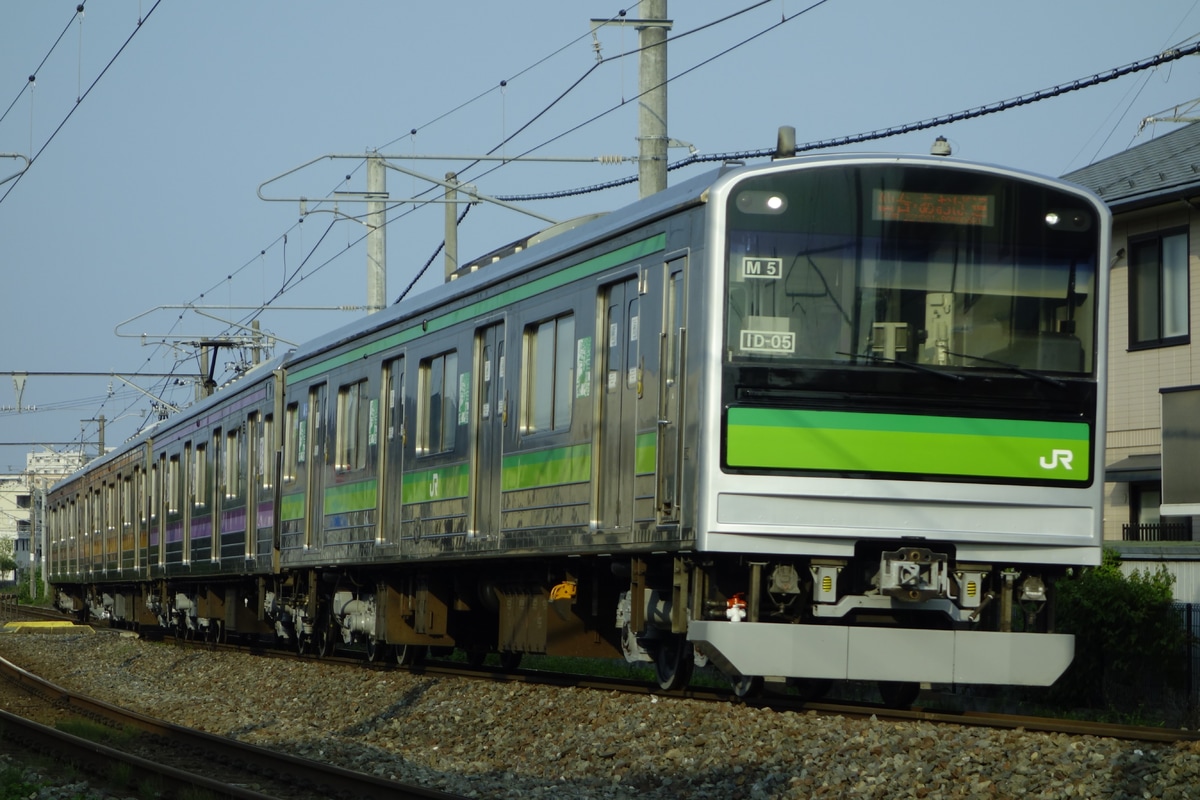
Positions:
(1152, 476)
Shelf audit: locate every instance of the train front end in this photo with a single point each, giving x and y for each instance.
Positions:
(901, 420)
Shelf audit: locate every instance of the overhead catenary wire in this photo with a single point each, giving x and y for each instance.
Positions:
(898, 130)
(27, 84)
(34, 156)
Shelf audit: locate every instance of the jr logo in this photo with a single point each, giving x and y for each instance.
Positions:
(1057, 457)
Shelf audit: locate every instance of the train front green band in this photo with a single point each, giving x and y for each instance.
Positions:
(840, 441)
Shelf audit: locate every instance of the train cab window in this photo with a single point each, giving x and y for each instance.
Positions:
(438, 409)
(548, 378)
(353, 406)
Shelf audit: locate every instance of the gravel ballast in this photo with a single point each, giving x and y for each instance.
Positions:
(514, 740)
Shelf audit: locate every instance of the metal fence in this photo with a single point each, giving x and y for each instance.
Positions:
(1189, 615)
(1158, 532)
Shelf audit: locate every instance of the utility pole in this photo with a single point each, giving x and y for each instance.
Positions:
(652, 92)
(652, 100)
(376, 234)
(451, 223)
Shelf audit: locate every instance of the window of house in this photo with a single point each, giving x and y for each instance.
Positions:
(549, 374)
(438, 411)
(1158, 290)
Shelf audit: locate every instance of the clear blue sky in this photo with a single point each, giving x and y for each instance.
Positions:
(147, 195)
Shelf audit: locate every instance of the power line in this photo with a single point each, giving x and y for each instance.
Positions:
(78, 101)
(1022, 100)
(42, 63)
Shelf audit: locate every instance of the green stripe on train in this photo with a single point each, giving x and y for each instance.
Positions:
(842, 441)
(442, 483)
(623, 255)
(292, 507)
(552, 467)
(647, 451)
(351, 497)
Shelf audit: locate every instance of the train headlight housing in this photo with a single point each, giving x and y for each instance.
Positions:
(753, 201)
(825, 578)
(1033, 589)
(970, 588)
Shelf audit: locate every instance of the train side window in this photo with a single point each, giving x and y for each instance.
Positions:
(173, 488)
(266, 460)
(155, 490)
(291, 449)
(437, 411)
(548, 364)
(352, 417)
(393, 398)
(233, 464)
(199, 487)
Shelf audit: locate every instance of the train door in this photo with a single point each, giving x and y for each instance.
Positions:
(391, 469)
(669, 450)
(618, 397)
(253, 471)
(315, 518)
(187, 502)
(490, 419)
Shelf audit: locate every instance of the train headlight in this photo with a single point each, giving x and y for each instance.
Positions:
(1068, 220)
(1033, 589)
(753, 201)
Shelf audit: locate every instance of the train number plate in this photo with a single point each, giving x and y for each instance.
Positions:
(776, 342)
(768, 268)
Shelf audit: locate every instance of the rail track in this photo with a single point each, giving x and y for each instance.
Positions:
(774, 700)
(170, 760)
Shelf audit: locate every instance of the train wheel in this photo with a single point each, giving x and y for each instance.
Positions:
(323, 632)
(745, 685)
(476, 656)
(899, 694)
(510, 660)
(673, 661)
(374, 649)
(810, 690)
(409, 654)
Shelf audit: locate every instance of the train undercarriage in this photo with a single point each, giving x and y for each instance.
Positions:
(799, 621)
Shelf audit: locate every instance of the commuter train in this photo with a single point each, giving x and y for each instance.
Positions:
(833, 417)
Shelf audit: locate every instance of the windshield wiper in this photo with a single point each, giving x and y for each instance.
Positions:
(1012, 368)
(950, 376)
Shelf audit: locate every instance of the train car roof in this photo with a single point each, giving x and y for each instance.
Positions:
(222, 395)
(671, 200)
(686, 194)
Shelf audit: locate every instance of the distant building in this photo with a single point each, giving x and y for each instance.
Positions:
(1152, 475)
(19, 497)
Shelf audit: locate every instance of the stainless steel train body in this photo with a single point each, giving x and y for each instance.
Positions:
(834, 417)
